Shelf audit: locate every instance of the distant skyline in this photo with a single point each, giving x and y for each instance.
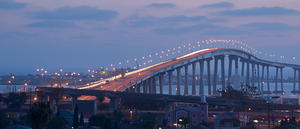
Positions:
(77, 34)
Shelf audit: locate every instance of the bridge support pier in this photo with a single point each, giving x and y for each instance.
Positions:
(208, 75)
(215, 75)
(223, 72)
(276, 81)
(161, 79)
(144, 87)
(193, 78)
(113, 104)
(201, 90)
(248, 74)
(186, 88)
(281, 80)
(253, 75)
(74, 102)
(263, 78)
(153, 86)
(170, 81)
(295, 77)
(258, 78)
(229, 70)
(178, 80)
(242, 71)
(138, 88)
(268, 79)
(299, 80)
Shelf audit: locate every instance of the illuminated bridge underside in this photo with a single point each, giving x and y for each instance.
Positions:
(146, 77)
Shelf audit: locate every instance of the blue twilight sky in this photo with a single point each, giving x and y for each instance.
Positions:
(77, 34)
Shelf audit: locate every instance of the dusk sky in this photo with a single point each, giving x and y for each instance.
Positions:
(77, 34)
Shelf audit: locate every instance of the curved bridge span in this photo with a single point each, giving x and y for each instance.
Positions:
(253, 72)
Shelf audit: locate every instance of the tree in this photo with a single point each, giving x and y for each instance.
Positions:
(75, 118)
(81, 121)
(40, 114)
(4, 120)
(97, 120)
(57, 123)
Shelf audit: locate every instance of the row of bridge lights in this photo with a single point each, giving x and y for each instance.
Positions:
(185, 48)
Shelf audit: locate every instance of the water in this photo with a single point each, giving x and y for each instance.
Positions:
(287, 87)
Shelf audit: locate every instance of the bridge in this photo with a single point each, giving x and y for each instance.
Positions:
(145, 80)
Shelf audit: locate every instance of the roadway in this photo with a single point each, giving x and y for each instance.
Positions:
(119, 83)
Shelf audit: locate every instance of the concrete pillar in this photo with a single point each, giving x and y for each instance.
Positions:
(268, 78)
(154, 85)
(149, 89)
(242, 71)
(208, 76)
(281, 79)
(276, 81)
(170, 81)
(114, 104)
(193, 78)
(248, 74)
(145, 87)
(229, 71)
(258, 78)
(74, 102)
(186, 80)
(215, 75)
(295, 77)
(161, 79)
(201, 90)
(299, 80)
(253, 74)
(223, 72)
(236, 61)
(263, 78)
(178, 80)
(138, 88)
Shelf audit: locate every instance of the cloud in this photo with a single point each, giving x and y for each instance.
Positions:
(183, 30)
(76, 13)
(264, 26)
(161, 5)
(11, 5)
(219, 5)
(51, 24)
(260, 11)
(136, 21)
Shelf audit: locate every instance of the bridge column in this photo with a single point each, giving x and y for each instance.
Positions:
(242, 71)
(236, 61)
(298, 80)
(229, 70)
(74, 101)
(281, 79)
(268, 79)
(208, 75)
(170, 81)
(276, 81)
(153, 87)
(138, 88)
(223, 72)
(258, 78)
(295, 77)
(263, 78)
(178, 80)
(215, 75)
(149, 89)
(161, 79)
(186, 88)
(248, 74)
(145, 87)
(201, 90)
(253, 74)
(193, 78)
